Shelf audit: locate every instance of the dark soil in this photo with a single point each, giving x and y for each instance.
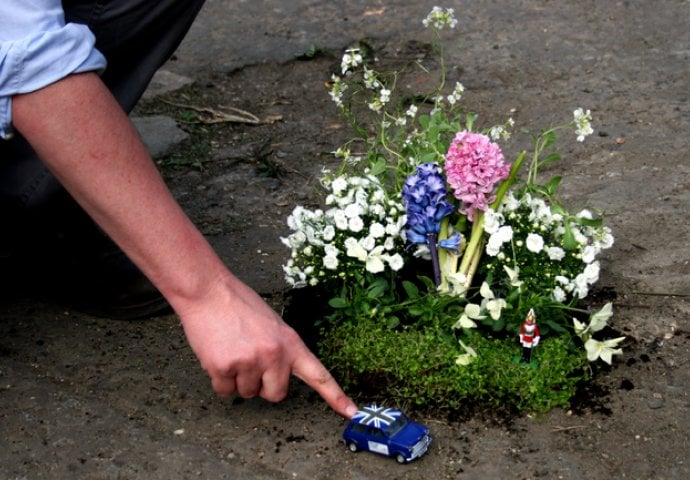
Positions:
(90, 398)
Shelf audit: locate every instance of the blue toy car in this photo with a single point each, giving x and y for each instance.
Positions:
(386, 431)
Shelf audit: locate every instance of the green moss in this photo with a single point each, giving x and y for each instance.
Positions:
(417, 367)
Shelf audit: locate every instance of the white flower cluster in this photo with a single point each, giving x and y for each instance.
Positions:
(362, 230)
(439, 18)
(351, 59)
(598, 349)
(527, 239)
(583, 127)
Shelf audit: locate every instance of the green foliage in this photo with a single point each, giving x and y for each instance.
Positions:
(412, 366)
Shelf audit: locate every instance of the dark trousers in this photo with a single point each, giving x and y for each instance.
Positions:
(136, 37)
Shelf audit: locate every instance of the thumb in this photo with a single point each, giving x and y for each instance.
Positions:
(312, 372)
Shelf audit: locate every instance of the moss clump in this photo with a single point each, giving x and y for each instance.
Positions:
(411, 366)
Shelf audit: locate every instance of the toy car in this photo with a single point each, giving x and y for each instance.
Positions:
(386, 431)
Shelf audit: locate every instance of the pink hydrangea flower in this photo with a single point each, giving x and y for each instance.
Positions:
(474, 167)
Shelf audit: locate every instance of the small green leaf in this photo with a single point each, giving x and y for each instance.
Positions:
(379, 167)
(392, 322)
(569, 242)
(338, 302)
(411, 289)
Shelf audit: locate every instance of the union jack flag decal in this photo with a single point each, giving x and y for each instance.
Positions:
(377, 416)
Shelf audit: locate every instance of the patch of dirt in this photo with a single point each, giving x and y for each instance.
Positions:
(130, 401)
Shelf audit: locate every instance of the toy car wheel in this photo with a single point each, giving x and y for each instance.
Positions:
(352, 446)
(400, 458)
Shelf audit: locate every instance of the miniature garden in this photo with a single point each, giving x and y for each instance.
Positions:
(449, 272)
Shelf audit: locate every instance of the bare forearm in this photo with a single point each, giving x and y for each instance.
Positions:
(88, 142)
(84, 137)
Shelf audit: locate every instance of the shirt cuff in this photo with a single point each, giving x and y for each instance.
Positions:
(33, 62)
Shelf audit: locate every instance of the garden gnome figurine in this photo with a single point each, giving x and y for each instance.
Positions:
(529, 336)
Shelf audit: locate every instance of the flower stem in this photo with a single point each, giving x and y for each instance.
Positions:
(476, 236)
(433, 249)
(473, 253)
(474, 263)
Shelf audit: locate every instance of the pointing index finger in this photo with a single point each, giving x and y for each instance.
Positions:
(312, 372)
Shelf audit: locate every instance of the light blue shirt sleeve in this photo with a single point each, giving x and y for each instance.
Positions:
(38, 48)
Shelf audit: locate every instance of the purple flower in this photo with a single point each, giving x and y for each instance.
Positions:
(425, 198)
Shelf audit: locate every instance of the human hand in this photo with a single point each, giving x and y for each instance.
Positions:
(248, 350)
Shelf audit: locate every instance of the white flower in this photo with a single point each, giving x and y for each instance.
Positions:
(338, 185)
(438, 18)
(370, 80)
(377, 230)
(467, 357)
(599, 319)
(513, 276)
(495, 306)
(330, 249)
(373, 260)
(355, 224)
(586, 214)
(492, 304)
(505, 233)
(384, 95)
(581, 286)
(411, 111)
(589, 253)
(395, 261)
(492, 221)
(535, 243)
(496, 132)
(604, 350)
(353, 210)
(591, 273)
(555, 253)
(580, 329)
(472, 312)
(606, 240)
(351, 59)
(583, 126)
(330, 262)
(328, 233)
(457, 285)
(558, 294)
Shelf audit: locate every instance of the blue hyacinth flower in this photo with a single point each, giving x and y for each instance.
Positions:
(426, 202)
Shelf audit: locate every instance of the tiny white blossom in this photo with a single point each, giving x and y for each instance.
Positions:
(583, 127)
(329, 233)
(351, 59)
(355, 224)
(466, 358)
(340, 219)
(589, 253)
(439, 18)
(591, 273)
(377, 230)
(558, 294)
(338, 185)
(395, 261)
(384, 95)
(492, 221)
(330, 262)
(353, 210)
(555, 253)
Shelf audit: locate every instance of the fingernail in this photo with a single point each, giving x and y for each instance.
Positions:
(350, 411)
